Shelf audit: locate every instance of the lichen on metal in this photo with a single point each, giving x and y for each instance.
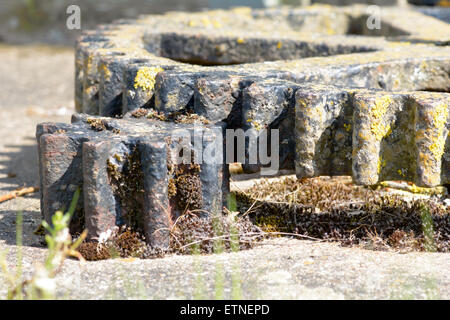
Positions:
(346, 99)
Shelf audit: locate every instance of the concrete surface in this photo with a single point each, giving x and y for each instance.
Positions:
(40, 88)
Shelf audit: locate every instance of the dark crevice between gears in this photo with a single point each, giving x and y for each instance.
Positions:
(186, 188)
(359, 26)
(185, 116)
(114, 108)
(77, 223)
(206, 63)
(128, 188)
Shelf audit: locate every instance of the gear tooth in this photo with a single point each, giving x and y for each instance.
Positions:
(157, 215)
(213, 97)
(94, 69)
(90, 83)
(323, 131)
(60, 160)
(88, 42)
(270, 104)
(432, 126)
(174, 90)
(371, 124)
(213, 172)
(139, 83)
(99, 201)
(111, 69)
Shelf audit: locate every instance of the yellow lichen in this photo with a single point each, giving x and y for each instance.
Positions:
(439, 116)
(89, 62)
(302, 103)
(380, 107)
(256, 125)
(145, 78)
(205, 21)
(411, 187)
(437, 148)
(401, 172)
(381, 164)
(240, 40)
(377, 112)
(439, 190)
(105, 71)
(330, 30)
(347, 127)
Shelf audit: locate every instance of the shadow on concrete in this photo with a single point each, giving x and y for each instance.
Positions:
(31, 222)
(20, 168)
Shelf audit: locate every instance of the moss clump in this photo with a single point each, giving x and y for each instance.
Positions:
(270, 223)
(149, 114)
(128, 188)
(189, 234)
(401, 239)
(183, 117)
(123, 244)
(189, 189)
(352, 215)
(93, 251)
(139, 113)
(172, 188)
(96, 124)
(129, 244)
(323, 194)
(212, 234)
(187, 118)
(185, 186)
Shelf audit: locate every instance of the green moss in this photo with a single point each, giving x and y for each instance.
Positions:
(186, 187)
(368, 218)
(96, 124)
(128, 188)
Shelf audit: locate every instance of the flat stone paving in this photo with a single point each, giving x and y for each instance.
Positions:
(40, 85)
